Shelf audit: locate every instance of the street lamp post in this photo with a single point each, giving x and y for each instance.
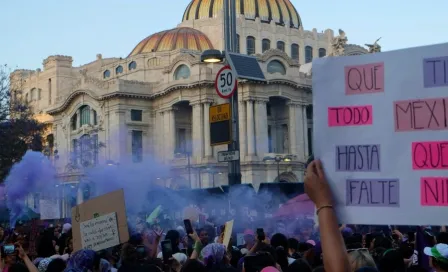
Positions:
(278, 159)
(213, 56)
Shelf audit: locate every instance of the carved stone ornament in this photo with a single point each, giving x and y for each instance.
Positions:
(338, 44)
(273, 52)
(187, 57)
(375, 47)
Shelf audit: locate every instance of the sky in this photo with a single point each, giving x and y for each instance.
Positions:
(33, 30)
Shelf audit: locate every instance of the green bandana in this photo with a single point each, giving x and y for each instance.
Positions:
(436, 254)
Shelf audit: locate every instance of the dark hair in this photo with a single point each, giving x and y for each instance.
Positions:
(293, 244)
(280, 243)
(381, 241)
(354, 246)
(56, 265)
(18, 268)
(303, 247)
(299, 265)
(236, 256)
(45, 246)
(174, 237)
(319, 269)
(193, 265)
(440, 265)
(392, 261)
(259, 261)
(442, 238)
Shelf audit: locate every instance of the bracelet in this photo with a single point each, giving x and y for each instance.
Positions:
(323, 207)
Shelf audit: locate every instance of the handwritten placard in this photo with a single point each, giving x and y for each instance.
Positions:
(100, 233)
(380, 129)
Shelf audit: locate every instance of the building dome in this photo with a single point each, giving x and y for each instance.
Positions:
(281, 12)
(176, 38)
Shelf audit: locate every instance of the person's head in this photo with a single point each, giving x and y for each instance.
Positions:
(213, 255)
(56, 265)
(259, 261)
(360, 258)
(280, 243)
(442, 238)
(18, 268)
(299, 265)
(174, 237)
(249, 237)
(392, 261)
(439, 257)
(193, 265)
(293, 246)
(83, 260)
(203, 235)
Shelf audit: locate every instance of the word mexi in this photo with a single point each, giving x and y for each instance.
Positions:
(362, 79)
(421, 114)
(350, 116)
(435, 72)
(430, 155)
(434, 191)
(358, 158)
(373, 192)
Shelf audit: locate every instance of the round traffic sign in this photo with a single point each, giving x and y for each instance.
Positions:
(226, 82)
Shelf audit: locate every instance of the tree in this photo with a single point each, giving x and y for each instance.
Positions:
(19, 131)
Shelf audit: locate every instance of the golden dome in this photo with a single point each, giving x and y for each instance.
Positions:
(280, 11)
(176, 38)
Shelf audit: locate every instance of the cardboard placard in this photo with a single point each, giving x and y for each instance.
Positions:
(100, 233)
(103, 205)
(228, 233)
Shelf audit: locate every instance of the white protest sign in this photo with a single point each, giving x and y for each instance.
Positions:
(100, 233)
(49, 209)
(381, 131)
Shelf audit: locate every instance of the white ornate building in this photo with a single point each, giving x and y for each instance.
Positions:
(155, 102)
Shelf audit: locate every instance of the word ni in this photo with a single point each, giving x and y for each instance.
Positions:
(430, 155)
(358, 158)
(421, 114)
(350, 116)
(373, 192)
(434, 191)
(363, 79)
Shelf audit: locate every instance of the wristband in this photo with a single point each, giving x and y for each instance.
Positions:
(323, 207)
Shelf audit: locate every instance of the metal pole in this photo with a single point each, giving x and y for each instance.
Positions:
(231, 42)
(278, 171)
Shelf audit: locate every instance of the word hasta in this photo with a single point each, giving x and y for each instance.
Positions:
(358, 158)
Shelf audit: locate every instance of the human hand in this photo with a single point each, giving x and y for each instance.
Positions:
(316, 185)
(158, 233)
(221, 238)
(21, 252)
(194, 236)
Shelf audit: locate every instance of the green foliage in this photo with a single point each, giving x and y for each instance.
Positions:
(19, 131)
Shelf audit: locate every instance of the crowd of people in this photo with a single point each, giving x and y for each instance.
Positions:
(330, 247)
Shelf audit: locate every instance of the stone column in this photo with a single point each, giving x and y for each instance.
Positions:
(250, 130)
(243, 128)
(261, 128)
(300, 133)
(169, 134)
(197, 135)
(118, 145)
(305, 132)
(292, 129)
(159, 134)
(79, 195)
(208, 148)
(92, 116)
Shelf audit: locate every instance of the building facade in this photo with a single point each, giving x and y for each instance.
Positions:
(155, 102)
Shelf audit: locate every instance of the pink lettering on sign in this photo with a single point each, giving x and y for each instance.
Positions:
(364, 79)
(421, 114)
(350, 116)
(429, 155)
(434, 191)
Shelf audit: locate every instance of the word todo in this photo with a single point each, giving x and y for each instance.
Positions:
(373, 192)
(358, 158)
(350, 116)
(364, 79)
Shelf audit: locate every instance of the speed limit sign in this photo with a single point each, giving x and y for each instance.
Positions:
(225, 83)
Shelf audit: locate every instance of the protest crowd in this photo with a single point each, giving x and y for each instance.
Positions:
(328, 247)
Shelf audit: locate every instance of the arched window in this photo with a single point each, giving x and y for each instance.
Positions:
(281, 46)
(85, 115)
(237, 43)
(322, 52)
(106, 74)
(119, 70)
(86, 150)
(266, 45)
(132, 65)
(74, 122)
(308, 54)
(276, 66)
(250, 45)
(182, 72)
(295, 51)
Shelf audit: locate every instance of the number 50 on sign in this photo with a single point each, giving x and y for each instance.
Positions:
(225, 82)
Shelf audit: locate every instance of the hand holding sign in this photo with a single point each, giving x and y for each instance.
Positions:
(316, 185)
